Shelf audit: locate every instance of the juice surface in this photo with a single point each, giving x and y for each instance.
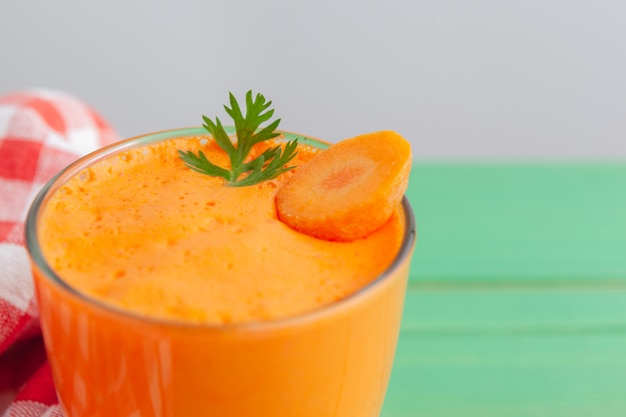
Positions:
(142, 232)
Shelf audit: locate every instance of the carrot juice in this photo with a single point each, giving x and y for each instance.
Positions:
(163, 292)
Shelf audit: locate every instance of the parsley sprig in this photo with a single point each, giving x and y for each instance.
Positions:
(270, 164)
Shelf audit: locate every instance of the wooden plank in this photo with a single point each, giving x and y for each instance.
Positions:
(519, 222)
(494, 375)
(527, 311)
(509, 353)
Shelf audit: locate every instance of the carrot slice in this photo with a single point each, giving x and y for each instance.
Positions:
(349, 190)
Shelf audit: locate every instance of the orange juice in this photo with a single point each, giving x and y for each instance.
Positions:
(164, 293)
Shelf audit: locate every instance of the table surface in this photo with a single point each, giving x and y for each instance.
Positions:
(516, 303)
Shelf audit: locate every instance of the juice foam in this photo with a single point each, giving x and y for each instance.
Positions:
(141, 232)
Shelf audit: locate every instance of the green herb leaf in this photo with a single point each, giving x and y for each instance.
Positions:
(270, 164)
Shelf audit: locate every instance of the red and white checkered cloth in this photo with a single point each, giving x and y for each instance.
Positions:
(41, 132)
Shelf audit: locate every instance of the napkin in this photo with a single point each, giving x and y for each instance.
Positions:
(41, 132)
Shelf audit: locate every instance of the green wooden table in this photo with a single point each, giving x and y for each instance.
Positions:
(517, 295)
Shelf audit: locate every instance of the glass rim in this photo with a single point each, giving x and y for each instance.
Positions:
(37, 258)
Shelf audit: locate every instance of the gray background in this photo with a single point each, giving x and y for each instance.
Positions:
(460, 79)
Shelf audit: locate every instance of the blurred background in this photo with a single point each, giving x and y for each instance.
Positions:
(476, 79)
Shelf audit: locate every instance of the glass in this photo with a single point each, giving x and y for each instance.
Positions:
(335, 361)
